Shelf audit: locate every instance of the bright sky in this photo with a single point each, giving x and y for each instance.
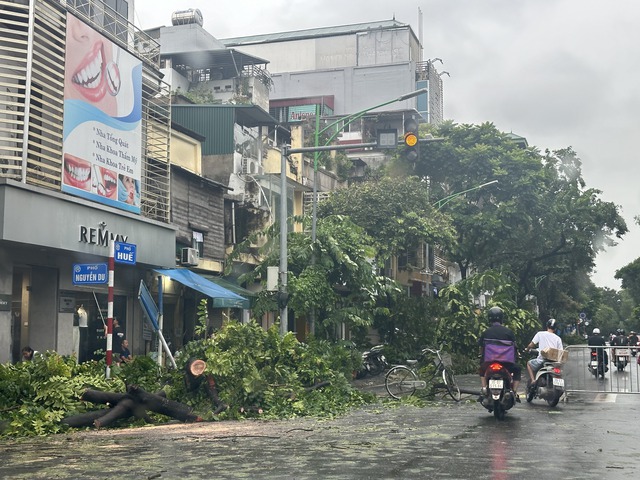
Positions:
(558, 72)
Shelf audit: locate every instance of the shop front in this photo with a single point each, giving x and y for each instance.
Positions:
(46, 236)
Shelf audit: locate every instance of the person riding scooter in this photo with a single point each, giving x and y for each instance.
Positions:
(497, 331)
(543, 339)
(596, 340)
(633, 342)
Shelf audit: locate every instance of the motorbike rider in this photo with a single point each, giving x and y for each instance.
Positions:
(596, 340)
(497, 331)
(633, 338)
(543, 339)
(620, 339)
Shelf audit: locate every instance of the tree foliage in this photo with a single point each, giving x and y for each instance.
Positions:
(396, 213)
(333, 277)
(539, 222)
(253, 369)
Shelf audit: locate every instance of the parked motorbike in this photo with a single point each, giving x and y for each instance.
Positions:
(598, 366)
(373, 362)
(548, 384)
(499, 396)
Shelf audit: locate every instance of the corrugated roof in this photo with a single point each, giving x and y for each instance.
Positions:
(312, 32)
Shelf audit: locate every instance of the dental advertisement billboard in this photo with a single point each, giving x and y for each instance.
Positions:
(102, 139)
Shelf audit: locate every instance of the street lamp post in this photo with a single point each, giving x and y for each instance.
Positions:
(443, 201)
(344, 121)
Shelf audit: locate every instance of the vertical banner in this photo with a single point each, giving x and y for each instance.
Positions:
(102, 139)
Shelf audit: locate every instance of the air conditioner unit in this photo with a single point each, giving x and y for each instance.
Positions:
(189, 256)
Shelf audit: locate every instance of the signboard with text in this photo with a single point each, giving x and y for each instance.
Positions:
(102, 126)
(90, 273)
(124, 253)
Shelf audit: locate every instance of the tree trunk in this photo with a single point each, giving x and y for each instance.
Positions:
(162, 405)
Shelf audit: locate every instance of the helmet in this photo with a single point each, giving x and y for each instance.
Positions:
(552, 323)
(496, 314)
(596, 331)
(622, 331)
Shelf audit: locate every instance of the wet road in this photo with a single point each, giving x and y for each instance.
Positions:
(591, 436)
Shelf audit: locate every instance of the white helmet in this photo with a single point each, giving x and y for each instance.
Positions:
(596, 331)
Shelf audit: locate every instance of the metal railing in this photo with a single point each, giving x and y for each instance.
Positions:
(578, 378)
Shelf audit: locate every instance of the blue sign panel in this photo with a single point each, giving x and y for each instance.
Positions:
(90, 273)
(124, 253)
(148, 305)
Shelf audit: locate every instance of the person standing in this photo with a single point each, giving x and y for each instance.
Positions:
(116, 336)
(125, 354)
(543, 339)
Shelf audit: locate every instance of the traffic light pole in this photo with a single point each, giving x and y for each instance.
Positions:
(284, 264)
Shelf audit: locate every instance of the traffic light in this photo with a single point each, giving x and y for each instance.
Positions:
(411, 140)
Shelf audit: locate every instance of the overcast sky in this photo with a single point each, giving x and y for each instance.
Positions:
(558, 72)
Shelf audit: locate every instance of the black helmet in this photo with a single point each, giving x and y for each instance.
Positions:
(496, 314)
(552, 323)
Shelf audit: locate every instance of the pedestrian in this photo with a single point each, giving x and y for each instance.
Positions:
(125, 354)
(28, 353)
(117, 335)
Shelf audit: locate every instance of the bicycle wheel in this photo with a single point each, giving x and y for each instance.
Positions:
(450, 382)
(400, 382)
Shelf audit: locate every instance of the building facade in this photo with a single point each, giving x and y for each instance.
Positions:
(84, 162)
(356, 77)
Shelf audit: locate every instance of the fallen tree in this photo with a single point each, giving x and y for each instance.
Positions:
(134, 403)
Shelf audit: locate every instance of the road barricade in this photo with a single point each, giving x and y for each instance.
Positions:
(578, 378)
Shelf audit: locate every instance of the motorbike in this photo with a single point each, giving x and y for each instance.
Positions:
(621, 358)
(373, 362)
(598, 367)
(499, 395)
(548, 384)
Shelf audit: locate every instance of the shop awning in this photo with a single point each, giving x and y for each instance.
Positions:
(222, 297)
(234, 287)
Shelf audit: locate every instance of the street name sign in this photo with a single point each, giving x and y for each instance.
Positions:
(90, 273)
(124, 253)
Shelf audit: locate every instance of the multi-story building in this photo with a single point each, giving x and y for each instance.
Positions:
(85, 145)
(84, 150)
(222, 94)
(361, 74)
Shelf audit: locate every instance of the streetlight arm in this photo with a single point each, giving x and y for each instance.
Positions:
(443, 201)
(355, 116)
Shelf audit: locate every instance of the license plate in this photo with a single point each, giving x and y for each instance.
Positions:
(558, 382)
(594, 363)
(496, 383)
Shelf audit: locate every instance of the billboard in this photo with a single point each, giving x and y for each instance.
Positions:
(102, 139)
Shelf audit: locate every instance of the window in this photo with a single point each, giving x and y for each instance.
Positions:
(198, 243)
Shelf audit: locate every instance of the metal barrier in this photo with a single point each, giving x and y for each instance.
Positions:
(578, 378)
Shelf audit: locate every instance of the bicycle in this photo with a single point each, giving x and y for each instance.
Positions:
(403, 380)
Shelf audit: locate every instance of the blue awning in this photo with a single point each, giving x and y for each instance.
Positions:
(222, 298)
